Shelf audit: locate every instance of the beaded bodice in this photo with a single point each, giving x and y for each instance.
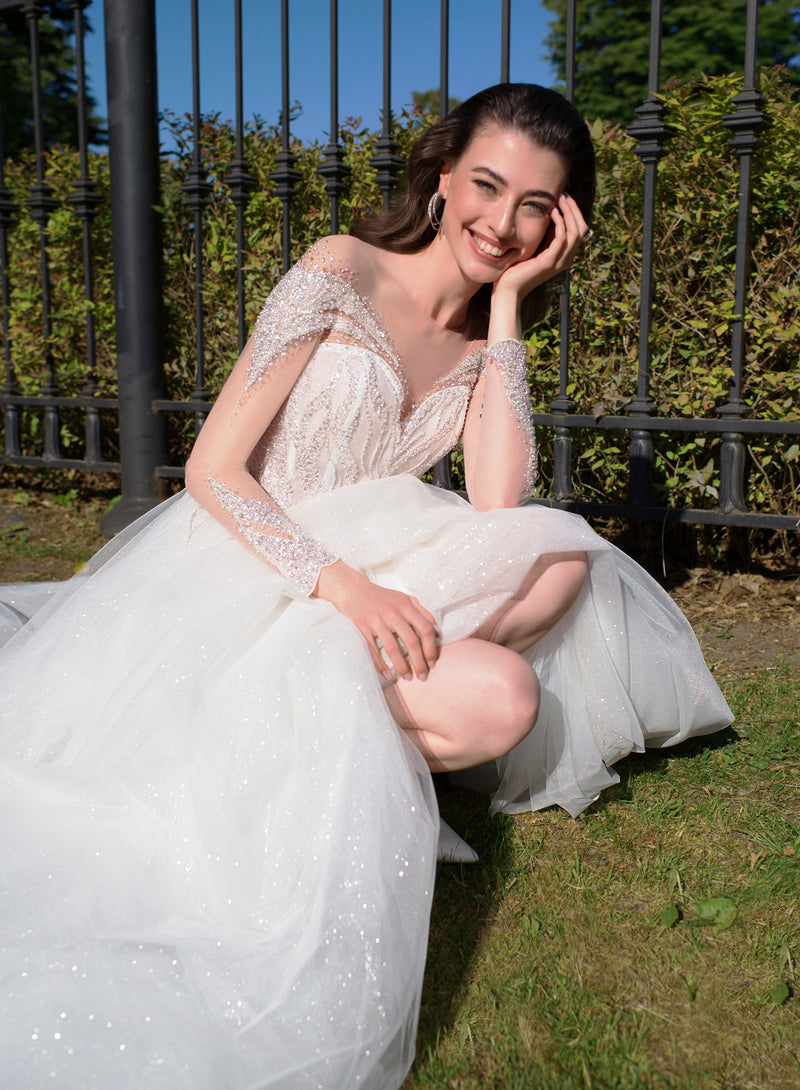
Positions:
(348, 413)
(348, 419)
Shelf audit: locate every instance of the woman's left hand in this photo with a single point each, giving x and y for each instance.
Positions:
(566, 232)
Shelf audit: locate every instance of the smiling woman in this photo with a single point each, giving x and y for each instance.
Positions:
(504, 209)
(220, 839)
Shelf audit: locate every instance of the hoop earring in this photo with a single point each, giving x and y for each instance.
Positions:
(433, 214)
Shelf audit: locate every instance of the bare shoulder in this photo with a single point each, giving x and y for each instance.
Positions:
(346, 256)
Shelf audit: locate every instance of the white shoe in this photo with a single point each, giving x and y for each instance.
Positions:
(452, 849)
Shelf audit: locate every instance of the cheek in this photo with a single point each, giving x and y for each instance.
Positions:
(536, 235)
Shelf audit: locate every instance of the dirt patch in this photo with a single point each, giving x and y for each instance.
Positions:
(745, 621)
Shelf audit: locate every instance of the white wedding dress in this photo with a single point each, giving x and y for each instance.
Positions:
(218, 849)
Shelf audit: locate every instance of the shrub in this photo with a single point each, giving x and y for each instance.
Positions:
(696, 227)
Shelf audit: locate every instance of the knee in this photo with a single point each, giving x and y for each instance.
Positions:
(517, 704)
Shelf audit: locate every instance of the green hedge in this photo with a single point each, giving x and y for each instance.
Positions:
(696, 225)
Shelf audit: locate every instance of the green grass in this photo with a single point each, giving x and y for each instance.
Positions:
(576, 954)
(48, 535)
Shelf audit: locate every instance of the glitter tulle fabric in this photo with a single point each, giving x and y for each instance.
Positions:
(218, 849)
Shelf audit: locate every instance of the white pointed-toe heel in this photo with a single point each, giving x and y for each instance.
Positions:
(452, 849)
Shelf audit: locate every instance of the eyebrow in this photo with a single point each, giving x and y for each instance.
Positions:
(502, 181)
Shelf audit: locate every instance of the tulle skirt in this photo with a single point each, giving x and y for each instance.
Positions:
(218, 848)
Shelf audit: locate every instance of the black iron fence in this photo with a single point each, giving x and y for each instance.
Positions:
(135, 420)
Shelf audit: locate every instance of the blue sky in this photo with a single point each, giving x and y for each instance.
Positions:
(474, 44)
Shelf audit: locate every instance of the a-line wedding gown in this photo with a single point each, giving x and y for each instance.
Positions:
(218, 849)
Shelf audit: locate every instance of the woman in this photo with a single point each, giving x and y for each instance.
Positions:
(222, 837)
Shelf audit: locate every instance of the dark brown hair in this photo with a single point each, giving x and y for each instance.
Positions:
(543, 116)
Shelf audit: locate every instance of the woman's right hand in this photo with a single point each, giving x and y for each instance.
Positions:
(386, 615)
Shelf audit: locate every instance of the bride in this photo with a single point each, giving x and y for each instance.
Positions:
(216, 740)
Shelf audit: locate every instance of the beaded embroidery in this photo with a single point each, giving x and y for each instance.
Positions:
(274, 537)
(349, 416)
(509, 358)
(319, 299)
(317, 296)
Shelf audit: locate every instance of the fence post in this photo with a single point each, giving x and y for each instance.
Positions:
(130, 32)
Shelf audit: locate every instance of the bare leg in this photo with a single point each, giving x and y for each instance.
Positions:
(482, 698)
(478, 701)
(551, 586)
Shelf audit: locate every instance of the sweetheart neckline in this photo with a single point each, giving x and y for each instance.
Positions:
(386, 340)
(445, 382)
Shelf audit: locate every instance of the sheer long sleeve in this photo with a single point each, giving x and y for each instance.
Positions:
(500, 452)
(302, 308)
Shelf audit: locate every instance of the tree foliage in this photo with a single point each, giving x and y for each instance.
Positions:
(694, 274)
(428, 102)
(58, 82)
(699, 37)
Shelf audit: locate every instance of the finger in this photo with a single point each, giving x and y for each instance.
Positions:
(562, 239)
(575, 229)
(428, 632)
(411, 644)
(577, 224)
(572, 224)
(395, 653)
(377, 659)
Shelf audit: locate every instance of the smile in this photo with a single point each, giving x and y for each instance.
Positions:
(486, 248)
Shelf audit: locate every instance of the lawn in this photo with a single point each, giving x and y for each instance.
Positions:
(649, 943)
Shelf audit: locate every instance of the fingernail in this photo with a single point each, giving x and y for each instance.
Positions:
(387, 674)
(408, 676)
(431, 663)
(422, 677)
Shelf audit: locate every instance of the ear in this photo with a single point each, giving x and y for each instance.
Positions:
(444, 180)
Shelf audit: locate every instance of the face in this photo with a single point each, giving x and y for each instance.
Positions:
(500, 195)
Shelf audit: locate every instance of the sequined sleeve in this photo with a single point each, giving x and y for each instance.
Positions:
(317, 297)
(274, 537)
(510, 360)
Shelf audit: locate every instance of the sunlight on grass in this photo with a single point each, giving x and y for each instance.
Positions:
(651, 943)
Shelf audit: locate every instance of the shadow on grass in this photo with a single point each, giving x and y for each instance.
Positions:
(659, 761)
(467, 898)
(465, 902)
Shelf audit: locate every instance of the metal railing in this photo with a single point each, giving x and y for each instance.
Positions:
(41, 203)
(134, 164)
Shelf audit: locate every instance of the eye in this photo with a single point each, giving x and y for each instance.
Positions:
(481, 183)
(534, 208)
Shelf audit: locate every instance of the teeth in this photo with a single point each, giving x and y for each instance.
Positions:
(485, 248)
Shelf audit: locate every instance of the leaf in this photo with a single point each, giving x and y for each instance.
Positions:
(781, 992)
(718, 911)
(675, 882)
(786, 959)
(670, 915)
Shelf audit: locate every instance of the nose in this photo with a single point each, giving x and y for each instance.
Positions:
(503, 219)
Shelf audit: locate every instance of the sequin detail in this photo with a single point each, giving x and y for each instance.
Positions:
(274, 537)
(510, 360)
(349, 415)
(319, 299)
(317, 296)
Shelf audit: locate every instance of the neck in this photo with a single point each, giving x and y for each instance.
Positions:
(437, 285)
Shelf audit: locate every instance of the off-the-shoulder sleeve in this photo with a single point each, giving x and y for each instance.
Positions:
(317, 296)
(510, 360)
